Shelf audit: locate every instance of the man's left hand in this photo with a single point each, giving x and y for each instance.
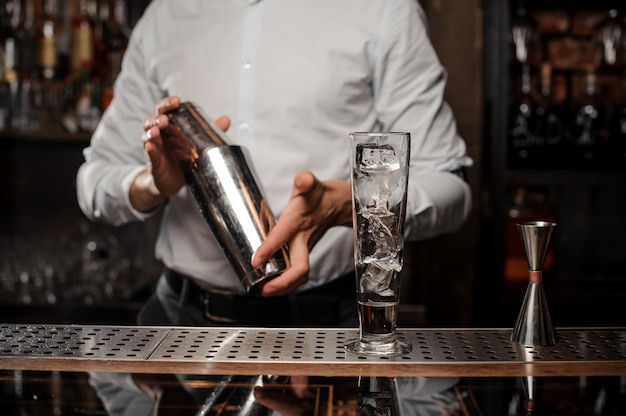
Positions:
(313, 208)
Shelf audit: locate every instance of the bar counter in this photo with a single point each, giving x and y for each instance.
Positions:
(472, 358)
(313, 352)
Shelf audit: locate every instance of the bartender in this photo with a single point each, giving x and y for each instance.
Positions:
(292, 79)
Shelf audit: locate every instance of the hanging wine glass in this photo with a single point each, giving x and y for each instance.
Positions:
(524, 35)
(609, 35)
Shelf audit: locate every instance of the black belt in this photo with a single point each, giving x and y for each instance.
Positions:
(316, 306)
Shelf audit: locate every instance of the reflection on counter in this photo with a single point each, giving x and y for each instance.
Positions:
(126, 395)
(59, 393)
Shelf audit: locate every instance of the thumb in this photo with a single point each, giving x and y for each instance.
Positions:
(223, 122)
(304, 183)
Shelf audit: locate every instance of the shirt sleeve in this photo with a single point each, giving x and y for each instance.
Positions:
(115, 155)
(409, 84)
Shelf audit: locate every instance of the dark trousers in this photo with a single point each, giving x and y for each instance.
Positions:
(182, 303)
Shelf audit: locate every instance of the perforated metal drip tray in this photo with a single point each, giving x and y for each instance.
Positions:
(315, 352)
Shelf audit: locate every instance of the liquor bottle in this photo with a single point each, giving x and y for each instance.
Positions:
(589, 125)
(82, 41)
(117, 33)
(522, 119)
(24, 38)
(17, 41)
(614, 149)
(68, 118)
(88, 110)
(5, 105)
(8, 65)
(46, 41)
(548, 122)
(99, 14)
(64, 40)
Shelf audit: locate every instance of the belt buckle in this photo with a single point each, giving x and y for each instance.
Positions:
(213, 317)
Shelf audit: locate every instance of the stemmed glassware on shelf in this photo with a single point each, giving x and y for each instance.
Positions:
(610, 36)
(524, 35)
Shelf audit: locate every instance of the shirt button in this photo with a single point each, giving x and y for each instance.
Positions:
(244, 127)
(246, 64)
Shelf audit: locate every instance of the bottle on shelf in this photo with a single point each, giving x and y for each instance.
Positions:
(46, 41)
(8, 65)
(589, 124)
(99, 13)
(64, 39)
(521, 117)
(616, 148)
(69, 120)
(549, 123)
(24, 116)
(82, 41)
(610, 36)
(88, 102)
(24, 35)
(117, 32)
(522, 120)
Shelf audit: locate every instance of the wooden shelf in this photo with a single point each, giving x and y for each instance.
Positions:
(50, 134)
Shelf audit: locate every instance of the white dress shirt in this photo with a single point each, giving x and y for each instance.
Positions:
(295, 77)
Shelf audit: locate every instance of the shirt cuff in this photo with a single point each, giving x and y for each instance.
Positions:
(126, 184)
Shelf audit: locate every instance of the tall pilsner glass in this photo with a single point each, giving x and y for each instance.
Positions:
(379, 165)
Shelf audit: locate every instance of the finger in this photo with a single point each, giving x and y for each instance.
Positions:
(300, 386)
(153, 145)
(149, 122)
(151, 149)
(156, 121)
(296, 275)
(167, 104)
(304, 183)
(269, 399)
(223, 122)
(146, 136)
(278, 401)
(274, 241)
(153, 134)
(283, 403)
(287, 282)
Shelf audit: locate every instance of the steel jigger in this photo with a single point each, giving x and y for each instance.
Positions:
(534, 326)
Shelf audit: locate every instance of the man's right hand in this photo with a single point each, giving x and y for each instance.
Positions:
(162, 177)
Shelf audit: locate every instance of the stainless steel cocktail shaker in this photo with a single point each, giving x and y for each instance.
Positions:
(226, 191)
